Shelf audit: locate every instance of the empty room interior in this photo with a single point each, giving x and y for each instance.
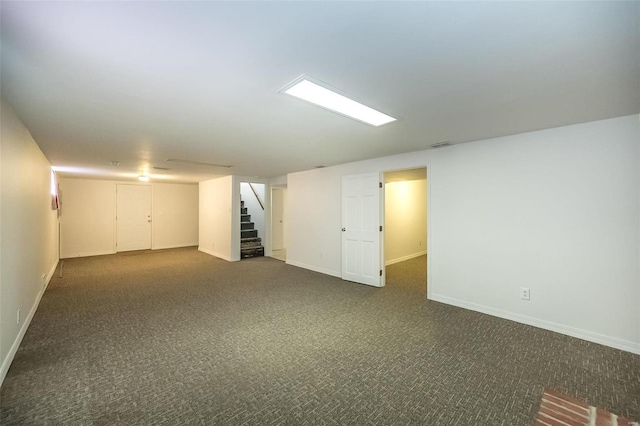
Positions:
(320, 213)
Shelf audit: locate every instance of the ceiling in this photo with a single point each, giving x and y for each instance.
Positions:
(142, 82)
(405, 175)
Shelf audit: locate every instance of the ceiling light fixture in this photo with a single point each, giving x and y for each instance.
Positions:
(143, 178)
(310, 91)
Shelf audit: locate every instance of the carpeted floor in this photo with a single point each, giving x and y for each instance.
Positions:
(180, 337)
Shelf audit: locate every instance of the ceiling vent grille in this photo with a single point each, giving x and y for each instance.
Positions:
(441, 144)
(197, 163)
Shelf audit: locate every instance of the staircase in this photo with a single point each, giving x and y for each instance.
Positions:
(250, 243)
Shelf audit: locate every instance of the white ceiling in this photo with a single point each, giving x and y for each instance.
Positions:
(140, 82)
(405, 175)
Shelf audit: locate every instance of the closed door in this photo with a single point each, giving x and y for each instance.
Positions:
(277, 218)
(361, 229)
(133, 217)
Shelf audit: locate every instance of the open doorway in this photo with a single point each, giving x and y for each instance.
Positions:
(278, 220)
(252, 223)
(405, 229)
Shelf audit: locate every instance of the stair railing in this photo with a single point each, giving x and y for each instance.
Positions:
(256, 194)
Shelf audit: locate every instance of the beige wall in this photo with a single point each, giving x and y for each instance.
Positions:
(405, 210)
(88, 225)
(216, 218)
(175, 215)
(87, 219)
(28, 232)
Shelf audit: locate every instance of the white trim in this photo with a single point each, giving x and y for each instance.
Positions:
(87, 254)
(429, 197)
(590, 336)
(403, 258)
(194, 244)
(214, 254)
(50, 275)
(315, 268)
(6, 363)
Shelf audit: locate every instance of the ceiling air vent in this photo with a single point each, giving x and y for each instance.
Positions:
(197, 163)
(441, 144)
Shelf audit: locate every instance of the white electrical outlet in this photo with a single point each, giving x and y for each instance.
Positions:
(18, 317)
(524, 293)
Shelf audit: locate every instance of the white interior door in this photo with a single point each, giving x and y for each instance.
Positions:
(277, 218)
(361, 229)
(133, 217)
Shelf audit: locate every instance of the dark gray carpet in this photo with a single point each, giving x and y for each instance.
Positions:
(179, 337)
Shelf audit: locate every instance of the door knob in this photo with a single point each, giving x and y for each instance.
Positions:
(344, 229)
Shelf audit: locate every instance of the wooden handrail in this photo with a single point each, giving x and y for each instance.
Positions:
(256, 194)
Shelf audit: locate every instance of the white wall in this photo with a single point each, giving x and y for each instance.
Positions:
(88, 225)
(216, 213)
(405, 210)
(87, 217)
(175, 215)
(253, 207)
(278, 214)
(556, 210)
(28, 232)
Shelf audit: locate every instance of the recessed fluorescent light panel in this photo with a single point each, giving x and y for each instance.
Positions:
(307, 90)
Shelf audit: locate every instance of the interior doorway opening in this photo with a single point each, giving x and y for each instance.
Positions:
(252, 221)
(405, 228)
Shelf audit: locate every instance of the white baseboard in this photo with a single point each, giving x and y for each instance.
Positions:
(174, 246)
(214, 254)
(590, 336)
(86, 254)
(314, 268)
(403, 258)
(50, 275)
(6, 363)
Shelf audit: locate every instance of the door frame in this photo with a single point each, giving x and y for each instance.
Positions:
(276, 188)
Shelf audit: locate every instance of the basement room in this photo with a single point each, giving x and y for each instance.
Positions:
(305, 213)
